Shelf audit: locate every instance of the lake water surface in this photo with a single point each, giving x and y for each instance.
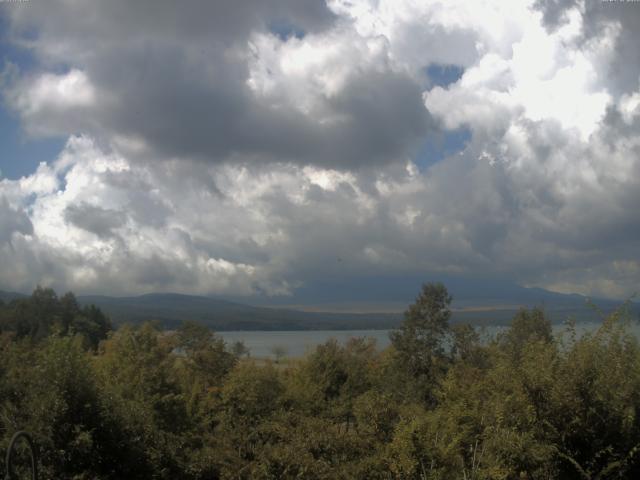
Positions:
(299, 343)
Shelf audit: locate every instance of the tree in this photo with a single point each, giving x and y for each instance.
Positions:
(69, 308)
(465, 341)
(50, 391)
(91, 323)
(239, 349)
(33, 317)
(279, 352)
(140, 391)
(205, 352)
(43, 314)
(419, 342)
(526, 327)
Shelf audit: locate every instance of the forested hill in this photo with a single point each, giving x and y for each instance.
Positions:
(171, 309)
(8, 296)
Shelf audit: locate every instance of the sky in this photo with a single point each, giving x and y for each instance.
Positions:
(264, 147)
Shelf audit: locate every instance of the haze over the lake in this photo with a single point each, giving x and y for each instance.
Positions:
(255, 148)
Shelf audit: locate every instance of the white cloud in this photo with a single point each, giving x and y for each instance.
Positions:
(69, 90)
(51, 104)
(629, 106)
(306, 74)
(544, 77)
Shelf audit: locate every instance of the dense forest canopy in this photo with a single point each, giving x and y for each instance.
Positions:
(43, 314)
(439, 403)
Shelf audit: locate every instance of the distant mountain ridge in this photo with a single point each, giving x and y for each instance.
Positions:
(8, 296)
(402, 290)
(171, 309)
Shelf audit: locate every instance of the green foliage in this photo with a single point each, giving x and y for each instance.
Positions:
(419, 342)
(526, 327)
(439, 403)
(51, 392)
(43, 314)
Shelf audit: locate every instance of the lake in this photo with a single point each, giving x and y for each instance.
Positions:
(298, 343)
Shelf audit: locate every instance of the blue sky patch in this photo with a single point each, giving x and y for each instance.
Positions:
(11, 53)
(443, 75)
(439, 146)
(284, 30)
(19, 154)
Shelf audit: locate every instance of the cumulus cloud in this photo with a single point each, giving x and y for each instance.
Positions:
(54, 104)
(257, 231)
(12, 221)
(250, 148)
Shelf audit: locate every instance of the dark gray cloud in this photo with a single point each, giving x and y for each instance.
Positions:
(554, 11)
(623, 69)
(175, 78)
(13, 221)
(121, 22)
(94, 219)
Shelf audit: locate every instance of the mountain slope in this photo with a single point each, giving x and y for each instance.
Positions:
(8, 296)
(171, 309)
(489, 304)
